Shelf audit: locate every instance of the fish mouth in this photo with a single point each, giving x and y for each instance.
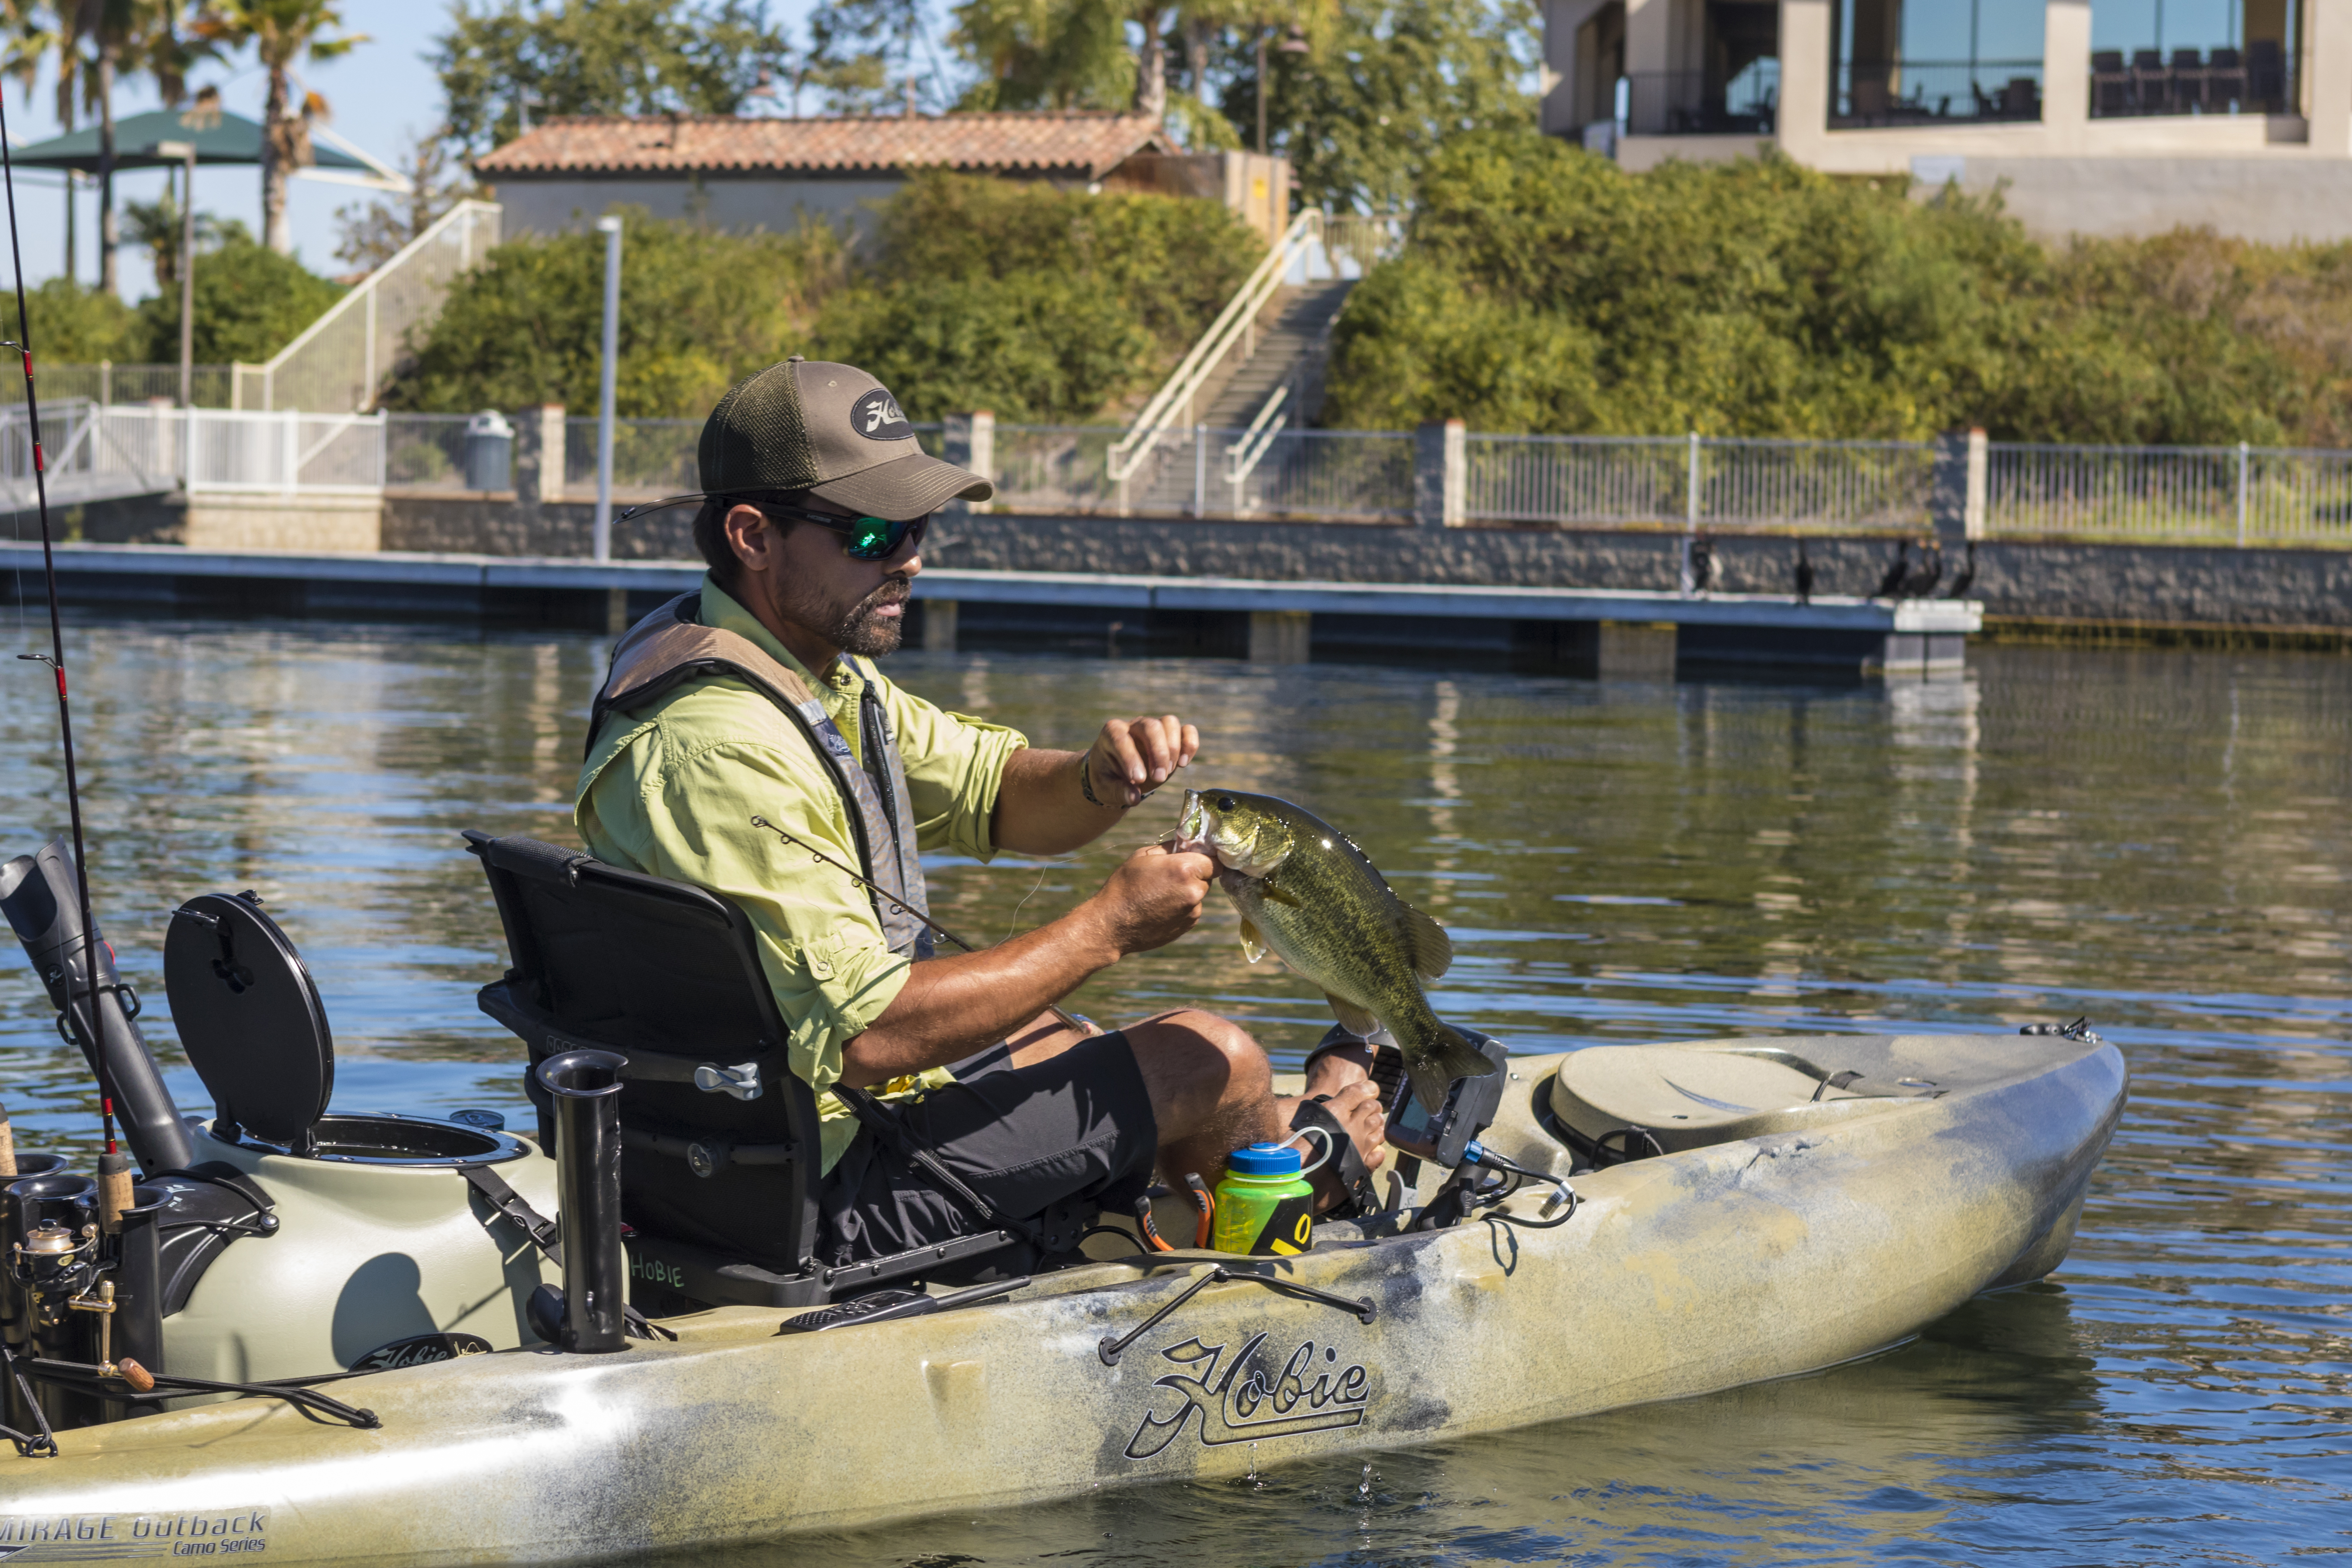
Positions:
(1193, 826)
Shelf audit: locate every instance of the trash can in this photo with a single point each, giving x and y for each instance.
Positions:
(489, 452)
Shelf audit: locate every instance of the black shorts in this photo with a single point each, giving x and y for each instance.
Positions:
(1073, 1130)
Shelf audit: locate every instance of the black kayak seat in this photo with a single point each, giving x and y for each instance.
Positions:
(720, 1149)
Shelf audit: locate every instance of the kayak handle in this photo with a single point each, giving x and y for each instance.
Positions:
(1111, 1349)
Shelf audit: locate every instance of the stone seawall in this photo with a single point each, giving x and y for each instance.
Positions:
(2055, 581)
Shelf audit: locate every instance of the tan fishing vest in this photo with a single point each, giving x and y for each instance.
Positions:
(671, 646)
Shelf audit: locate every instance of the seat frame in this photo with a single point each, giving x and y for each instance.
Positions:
(534, 1001)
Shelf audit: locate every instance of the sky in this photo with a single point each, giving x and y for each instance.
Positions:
(382, 95)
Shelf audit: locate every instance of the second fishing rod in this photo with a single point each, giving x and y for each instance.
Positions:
(1072, 1019)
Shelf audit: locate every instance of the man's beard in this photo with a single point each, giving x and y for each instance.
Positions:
(861, 631)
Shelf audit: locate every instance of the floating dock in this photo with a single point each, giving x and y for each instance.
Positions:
(1602, 631)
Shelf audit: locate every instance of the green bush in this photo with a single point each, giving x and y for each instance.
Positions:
(250, 302)
(700, 310)
(1045, 306)
(74, 325)
(1545, 289)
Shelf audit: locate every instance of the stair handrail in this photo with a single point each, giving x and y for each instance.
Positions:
(362, 298)
(1238, 317)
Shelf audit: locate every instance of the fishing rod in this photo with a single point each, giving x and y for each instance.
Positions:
(896, 902)
(56, 659)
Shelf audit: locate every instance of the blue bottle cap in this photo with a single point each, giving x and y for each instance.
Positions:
(1265, 1160)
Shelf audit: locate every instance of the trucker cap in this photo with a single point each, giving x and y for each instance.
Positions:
(831, 430)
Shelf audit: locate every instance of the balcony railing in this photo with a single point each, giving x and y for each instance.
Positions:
(1937, 92)
(1694, 103)
(2258, 79)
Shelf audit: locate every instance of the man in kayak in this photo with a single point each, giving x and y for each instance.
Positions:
(759, 698)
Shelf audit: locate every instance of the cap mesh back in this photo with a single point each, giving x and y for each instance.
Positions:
(757, 437)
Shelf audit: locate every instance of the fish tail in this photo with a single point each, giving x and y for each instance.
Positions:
(1445, 1055)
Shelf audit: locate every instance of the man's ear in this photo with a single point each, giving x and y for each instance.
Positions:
(752, 537)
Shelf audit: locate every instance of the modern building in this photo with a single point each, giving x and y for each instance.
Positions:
(743, 174)
(2106, 117)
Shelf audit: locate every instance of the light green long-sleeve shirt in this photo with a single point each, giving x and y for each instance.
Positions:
(671, 790)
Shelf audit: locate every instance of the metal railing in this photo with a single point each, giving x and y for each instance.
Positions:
(107, 382)
(2223, 494)
(1236, 327)
(342, 360)
(1699, 481)
(1697, 103)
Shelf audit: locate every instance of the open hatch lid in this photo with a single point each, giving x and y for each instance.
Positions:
(249, 1018)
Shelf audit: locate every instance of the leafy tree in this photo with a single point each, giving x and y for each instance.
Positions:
(1045, 54)
(1383, 84)
(157, 225)
(507, 60)
(1544, 289)
(1042, 305)
(700, 310)
(282, 33)
(74, 325)
(251, 302)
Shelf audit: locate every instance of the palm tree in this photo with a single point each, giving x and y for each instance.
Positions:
(124, 37)
(281, 32)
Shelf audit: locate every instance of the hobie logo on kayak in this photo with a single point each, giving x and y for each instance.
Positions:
(421, 1350)
(1312, 1393)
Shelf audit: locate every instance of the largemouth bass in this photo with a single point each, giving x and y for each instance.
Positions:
(1307, 894)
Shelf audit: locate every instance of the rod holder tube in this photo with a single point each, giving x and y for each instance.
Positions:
(138, 1294)
(585, 1087)
(38, 895)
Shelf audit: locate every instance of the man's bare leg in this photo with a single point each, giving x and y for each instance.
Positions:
(1213, 1091)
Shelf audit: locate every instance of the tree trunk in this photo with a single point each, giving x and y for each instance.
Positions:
(275, 232)
(1199, 33)
(1151, 66)
(107, 237)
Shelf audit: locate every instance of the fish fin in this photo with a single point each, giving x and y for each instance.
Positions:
(1435, 1074)
(1356, 1020)
(1273, 895)
(1253, 944)
(1432, 949)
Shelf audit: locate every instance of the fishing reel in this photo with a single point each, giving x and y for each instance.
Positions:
(55, 1268)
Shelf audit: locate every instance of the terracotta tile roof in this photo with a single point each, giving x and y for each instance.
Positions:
(1089, 143)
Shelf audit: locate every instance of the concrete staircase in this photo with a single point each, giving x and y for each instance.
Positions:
(1293, 335)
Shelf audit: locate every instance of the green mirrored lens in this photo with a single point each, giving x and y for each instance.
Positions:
(871, 538)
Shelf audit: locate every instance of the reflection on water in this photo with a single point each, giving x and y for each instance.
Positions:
(2156, 839)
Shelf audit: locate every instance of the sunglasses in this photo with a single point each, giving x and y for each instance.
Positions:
(862, 538)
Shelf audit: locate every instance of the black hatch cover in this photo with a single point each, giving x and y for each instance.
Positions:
(249, 1018)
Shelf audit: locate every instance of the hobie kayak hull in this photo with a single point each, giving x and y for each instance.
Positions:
(1698, 1271)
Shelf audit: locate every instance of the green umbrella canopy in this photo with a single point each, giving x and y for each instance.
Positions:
(220, 138)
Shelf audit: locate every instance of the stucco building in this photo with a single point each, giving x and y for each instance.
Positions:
(2110, 117)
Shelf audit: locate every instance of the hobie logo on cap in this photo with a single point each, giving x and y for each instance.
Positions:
(877, 417)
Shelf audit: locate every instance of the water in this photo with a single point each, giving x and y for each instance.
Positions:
(2157, 839)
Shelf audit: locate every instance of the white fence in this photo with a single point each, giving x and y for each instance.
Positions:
(2242, 495)
(1821, 485)
(2214, 495)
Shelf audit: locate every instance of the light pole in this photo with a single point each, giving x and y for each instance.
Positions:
(186, 153)
(610, 228)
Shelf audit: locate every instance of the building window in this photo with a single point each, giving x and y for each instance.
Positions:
(2193, 56)
(1730, 83)
(1931, 62)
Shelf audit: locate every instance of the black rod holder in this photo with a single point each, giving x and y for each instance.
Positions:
(36, 894)
(585, 1087)
(139, 1293)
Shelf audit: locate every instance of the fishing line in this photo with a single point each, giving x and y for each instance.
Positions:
(1023, 904)
(56, 657)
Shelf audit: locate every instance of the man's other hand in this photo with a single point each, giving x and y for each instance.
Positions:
(1132, 757)
(1152, 898)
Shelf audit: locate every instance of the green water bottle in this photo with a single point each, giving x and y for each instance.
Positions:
(1265, 1205)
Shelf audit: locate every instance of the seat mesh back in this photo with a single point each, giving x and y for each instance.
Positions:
(656, 968)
